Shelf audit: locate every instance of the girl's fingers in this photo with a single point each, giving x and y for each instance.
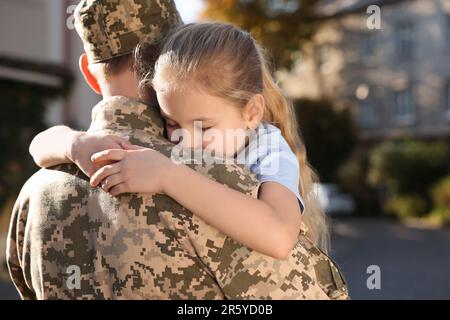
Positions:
(108, 155)
(128, 146)
(111, 181)
(120, 140)
(104, 172)
(118, 189)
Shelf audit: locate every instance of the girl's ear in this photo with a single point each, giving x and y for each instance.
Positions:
(88, 76)
(254, 111)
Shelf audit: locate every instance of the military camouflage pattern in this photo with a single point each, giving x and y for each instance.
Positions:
(141, 246)
(112, 28)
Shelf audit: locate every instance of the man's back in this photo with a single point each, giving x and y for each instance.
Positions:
(68, 240)
(125, 247)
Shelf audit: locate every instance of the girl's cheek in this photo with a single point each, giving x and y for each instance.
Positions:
(232, 149)
(206, 144)
(229, 147)
(211, 143)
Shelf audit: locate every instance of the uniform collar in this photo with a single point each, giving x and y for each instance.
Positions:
(125, 113)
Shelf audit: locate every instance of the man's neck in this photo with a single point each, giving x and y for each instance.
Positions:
(126, 85)
(122, 85)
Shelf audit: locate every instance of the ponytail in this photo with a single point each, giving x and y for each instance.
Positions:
(280, 113)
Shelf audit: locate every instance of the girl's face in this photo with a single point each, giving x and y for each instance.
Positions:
(200, 120)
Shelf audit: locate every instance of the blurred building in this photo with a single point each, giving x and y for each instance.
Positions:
(396, 79)
(41, 32)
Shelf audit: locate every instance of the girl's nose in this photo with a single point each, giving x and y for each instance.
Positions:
(188, 140)
(184, 143)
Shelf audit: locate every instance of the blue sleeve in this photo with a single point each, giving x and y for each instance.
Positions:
(280, 166)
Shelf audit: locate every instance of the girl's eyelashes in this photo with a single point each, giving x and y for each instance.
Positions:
(203, 127)
(170, 124)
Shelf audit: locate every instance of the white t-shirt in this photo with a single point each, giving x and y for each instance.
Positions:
(269, 156)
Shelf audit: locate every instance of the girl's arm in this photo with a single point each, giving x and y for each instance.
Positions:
(60, 144)
(50, 147)
(270, 224)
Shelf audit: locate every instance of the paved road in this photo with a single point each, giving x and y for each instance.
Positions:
(7, 291)
(414, 263)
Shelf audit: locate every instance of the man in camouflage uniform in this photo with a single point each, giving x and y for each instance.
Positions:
(68, 240)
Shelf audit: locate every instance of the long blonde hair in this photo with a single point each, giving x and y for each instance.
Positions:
(228, 63)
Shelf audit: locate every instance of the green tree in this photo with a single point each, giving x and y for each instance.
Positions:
(440, 193)
(352, 176)
(405, 171)
(408, 166)
(281, 26)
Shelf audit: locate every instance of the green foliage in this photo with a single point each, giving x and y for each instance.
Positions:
(405, 171)
(329, 135)
(409, 205)
(396, 177)
(408, 166)
(281, 26)
(352, 176)
(440, 216)
(440, 194)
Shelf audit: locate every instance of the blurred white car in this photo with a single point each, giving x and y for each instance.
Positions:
(332, 200)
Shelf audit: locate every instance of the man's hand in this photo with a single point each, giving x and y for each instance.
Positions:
(85, 144)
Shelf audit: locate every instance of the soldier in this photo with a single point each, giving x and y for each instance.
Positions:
(70, 241)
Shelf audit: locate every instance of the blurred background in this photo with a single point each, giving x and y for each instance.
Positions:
(370, 81)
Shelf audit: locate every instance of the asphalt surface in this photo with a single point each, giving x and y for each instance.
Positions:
(414, 263)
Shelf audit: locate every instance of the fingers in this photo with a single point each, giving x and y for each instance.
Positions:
(118, 189)
(104, 172)
(108, 155)
(99, 164)
(128, 146)
(119, 140)
(111, 181)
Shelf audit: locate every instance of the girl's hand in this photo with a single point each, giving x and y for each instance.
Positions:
(85, 144)
(136, 170)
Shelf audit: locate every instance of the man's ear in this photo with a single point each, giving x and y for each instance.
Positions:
(254, 111)
(88, 76)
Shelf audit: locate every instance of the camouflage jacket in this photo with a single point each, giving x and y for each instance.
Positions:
(70, 241)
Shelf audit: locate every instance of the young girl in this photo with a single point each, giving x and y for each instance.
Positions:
(212, 79)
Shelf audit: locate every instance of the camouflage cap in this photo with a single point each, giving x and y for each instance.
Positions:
(113, 28)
